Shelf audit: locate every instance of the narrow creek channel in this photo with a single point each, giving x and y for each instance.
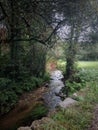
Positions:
(28, 101)
(51, 97)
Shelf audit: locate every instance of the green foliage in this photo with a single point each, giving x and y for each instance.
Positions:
(11, 90)
(79, 116)
(38, 112)
(27, 85)
(88, 64)
(16, 87)
(4, 83)
(89, 51)
(38, 81)
(79, 98)
(61, 65)
(7, 100)
(74, 86)
(53, 126)
(4, 61)
(46, 77)
(32, 83)
(87, 72)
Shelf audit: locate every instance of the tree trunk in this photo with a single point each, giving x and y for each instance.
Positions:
(14, 46)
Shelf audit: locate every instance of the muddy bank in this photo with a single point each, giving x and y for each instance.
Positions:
(34, 102)
(23, 108)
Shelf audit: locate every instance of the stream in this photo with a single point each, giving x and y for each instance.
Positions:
(52, 98)
(29, 101)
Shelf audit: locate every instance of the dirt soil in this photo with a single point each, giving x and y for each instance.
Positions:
(25, 105)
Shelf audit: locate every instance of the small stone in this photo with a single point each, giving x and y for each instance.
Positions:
(24, 128)
(38, 123)
(75, 94)
(67, 102)
(47, 85)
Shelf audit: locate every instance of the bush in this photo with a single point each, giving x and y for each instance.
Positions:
(61, 66)
(32, 83)
(11, 90)
(4, 83)
(16, 87)
(7, 100)
(28, 86)
(74, 85)
(46, 77)
(37, 81)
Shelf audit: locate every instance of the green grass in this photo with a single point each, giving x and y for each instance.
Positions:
(80, 64)
(79, 117)
(88, 64)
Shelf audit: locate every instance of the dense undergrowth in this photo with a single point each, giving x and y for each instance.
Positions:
(11, 90)
(81, 78)
(86, 71)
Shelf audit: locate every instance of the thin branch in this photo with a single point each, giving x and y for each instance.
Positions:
(55, 29)
(23, 39)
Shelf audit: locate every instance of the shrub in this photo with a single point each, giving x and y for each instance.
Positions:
(7, 100)
(46, 77)
(4, 83)
(16, 87)
(11, 90)
(37, 81)
(74, 86)
(27, 86)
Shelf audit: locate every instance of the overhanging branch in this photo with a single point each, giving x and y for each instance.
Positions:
(22, 39)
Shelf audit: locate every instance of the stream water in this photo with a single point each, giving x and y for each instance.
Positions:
(52, 98)
(28, 101)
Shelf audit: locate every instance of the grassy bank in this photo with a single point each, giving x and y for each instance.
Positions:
(79, 116)
(88, 64)
(80, 64)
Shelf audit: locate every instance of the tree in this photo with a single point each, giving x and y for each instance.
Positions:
(25, 25)
(77, 17)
